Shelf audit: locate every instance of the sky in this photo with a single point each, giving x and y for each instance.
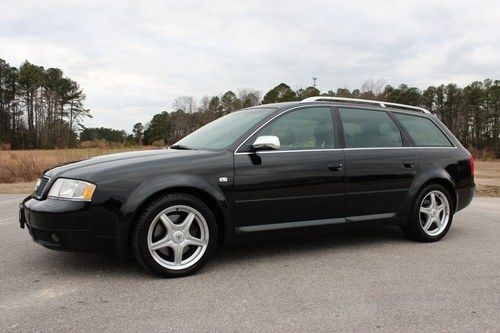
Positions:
(133, 58)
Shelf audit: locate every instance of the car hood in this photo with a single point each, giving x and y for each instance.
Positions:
(98, 168)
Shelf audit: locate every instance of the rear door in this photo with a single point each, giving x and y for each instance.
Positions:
(301, 184)
(380, 164)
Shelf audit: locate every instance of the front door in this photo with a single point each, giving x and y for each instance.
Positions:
(300, 184)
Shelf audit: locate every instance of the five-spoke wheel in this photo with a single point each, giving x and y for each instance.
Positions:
(432, 214)
(178, 237)
(174, 235)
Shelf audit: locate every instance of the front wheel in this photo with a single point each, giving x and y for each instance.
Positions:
(432, 214)
(174, 235)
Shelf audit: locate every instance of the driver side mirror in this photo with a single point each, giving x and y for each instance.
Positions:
(266, 142)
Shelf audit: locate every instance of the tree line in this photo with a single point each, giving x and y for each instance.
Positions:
(39, 108)
(42, 108)
(472, 113)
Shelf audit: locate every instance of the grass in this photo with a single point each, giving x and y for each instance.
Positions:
(20, 169)
(27, 165)
(487, 178)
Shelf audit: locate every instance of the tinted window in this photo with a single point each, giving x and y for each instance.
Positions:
(366, 129)
(221, 133)
(423, 131)
(310, 128)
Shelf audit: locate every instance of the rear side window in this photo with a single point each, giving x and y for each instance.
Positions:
(368, 129)
(309, 128)
(423, 131)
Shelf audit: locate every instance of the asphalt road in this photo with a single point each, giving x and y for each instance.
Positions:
(350, 281)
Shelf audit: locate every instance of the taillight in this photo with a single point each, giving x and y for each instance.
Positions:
(471, 165)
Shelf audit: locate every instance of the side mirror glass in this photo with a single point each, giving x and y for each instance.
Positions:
(266, 142)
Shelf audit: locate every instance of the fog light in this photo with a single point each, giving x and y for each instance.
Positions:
(55, 238)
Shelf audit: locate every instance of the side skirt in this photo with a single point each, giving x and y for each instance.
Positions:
(313, 223)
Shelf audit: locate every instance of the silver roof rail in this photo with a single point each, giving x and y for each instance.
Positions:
(364, 101)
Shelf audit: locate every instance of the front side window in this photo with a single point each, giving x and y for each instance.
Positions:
(369, 129)
(423, 131)
(309, 128)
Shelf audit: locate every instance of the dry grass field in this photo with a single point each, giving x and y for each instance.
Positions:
(20, 169)
(487, 178)
(27, 165)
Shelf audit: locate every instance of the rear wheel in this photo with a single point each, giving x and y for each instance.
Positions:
(174, 235)
(432, 214)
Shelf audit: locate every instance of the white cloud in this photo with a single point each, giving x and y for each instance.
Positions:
(133, 59)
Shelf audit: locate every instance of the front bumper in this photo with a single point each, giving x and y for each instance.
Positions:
(71, 226)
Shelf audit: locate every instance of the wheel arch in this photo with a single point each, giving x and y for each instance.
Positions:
(199, 188)
(448, 185)
(433, 177)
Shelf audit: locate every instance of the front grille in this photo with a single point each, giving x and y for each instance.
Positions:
(41, 186)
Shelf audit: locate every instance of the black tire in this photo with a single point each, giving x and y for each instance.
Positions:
(414, 228)
(139, 235)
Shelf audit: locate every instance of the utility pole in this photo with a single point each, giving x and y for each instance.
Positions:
(314, 81)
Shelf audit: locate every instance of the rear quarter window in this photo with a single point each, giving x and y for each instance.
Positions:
(423, 131)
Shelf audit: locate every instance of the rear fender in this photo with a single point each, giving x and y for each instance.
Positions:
(437, 176)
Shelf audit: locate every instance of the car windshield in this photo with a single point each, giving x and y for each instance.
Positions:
(221, 133)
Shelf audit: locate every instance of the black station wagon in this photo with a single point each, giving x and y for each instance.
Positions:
(269, 170)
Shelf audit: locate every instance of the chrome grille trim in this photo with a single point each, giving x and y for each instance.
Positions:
(40, 189)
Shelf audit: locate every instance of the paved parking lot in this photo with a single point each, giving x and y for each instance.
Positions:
(372, 280)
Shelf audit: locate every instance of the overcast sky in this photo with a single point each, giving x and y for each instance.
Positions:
(134, 58)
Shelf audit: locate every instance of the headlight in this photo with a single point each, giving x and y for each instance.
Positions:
(72, 189)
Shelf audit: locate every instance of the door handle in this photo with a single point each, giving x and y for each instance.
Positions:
(334, 166)
(409, 164)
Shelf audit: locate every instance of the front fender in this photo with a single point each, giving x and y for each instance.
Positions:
(156, 185)
(439, 176)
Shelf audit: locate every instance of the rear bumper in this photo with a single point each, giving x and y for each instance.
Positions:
(465, 196)
(67, 226)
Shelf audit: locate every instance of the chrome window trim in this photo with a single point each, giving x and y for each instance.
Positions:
(286, 151)
(365, 148)
(452, 147)
(335, 149)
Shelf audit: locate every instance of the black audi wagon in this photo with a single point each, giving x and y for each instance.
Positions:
(264, 171)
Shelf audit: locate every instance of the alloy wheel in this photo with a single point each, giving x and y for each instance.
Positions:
(178, 237)
(434, 213)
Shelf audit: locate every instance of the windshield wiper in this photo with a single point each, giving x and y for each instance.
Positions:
(180, 147)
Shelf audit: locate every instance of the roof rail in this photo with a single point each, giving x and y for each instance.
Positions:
(364, 101)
